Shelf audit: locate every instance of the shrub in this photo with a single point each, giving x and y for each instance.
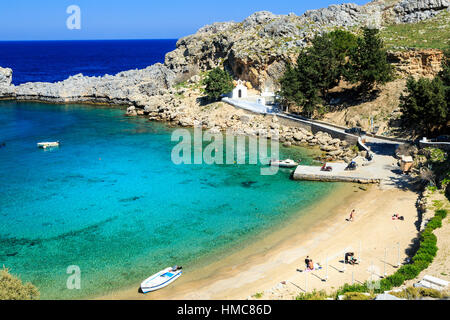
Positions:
(259, 295)
(424, 292)
(352, 288)
(442, 214)
(218, 82)
(12, 288)
(412, 293)
(315, 295)
(396, 280)
(357, 296)
(409, 272)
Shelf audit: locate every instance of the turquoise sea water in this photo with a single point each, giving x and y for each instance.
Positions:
(110, 200)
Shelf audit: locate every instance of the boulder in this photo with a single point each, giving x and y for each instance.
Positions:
(246, 119)
(5, 76)
(336, 153)
(329, 148)
(299, 137)
(131, 111)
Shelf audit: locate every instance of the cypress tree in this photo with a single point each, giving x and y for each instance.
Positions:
(368, 64)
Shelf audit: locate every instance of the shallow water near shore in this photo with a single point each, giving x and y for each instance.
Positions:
(111, 201)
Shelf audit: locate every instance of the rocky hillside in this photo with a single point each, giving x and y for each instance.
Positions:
(257, 48)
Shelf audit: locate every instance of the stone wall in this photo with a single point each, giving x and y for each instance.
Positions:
(316, 128)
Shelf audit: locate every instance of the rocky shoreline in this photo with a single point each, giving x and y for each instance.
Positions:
(255, 50)
(179, 107)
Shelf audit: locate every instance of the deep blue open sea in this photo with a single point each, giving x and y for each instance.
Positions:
(110, 200)
(51, 61)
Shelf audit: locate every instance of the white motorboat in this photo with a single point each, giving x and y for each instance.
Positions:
(46, 145)
(284, 163)
(161, 279)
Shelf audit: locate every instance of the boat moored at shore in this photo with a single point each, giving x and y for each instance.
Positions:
(161, 279)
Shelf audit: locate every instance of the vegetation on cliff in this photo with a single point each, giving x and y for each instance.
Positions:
(218, 82)
(425, 103)
(333, 57)
(12, 288)
(368, 64)
(433, 33)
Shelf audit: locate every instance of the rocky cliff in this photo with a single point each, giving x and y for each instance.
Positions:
(417, 63)
(255, 50)
(128, 87)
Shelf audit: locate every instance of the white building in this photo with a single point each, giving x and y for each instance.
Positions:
(240, 92)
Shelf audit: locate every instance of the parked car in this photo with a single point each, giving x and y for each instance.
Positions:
(356, 131)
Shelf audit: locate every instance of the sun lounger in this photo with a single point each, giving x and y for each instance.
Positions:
(430, 282)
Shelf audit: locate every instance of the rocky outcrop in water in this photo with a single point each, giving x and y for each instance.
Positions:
(5, 82)
(5, 76)
(128, 87)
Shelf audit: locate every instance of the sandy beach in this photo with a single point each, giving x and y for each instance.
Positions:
(272, 267)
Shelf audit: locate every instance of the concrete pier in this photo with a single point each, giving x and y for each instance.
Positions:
(338, 174)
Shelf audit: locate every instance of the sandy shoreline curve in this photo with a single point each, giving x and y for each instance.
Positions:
(270, 266)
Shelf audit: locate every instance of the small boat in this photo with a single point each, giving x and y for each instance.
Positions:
(284, 163)
(161, 279)
(46, 145)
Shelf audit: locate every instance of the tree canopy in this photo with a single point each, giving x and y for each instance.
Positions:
(299, 84)
(218, 82)
(368, 63)
(334, 56)
(424, 106)
(425, 103)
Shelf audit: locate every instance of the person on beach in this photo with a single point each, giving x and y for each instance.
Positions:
(397, 217)
(352, 216)
(311, 265)
(307, 261)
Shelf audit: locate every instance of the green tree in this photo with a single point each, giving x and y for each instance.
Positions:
(12, 288)
(319, 68)
(218, 82)
(325, 62)
(328, 56)
(299, 84)
(344, 43)
(445, 75)
(290, 87)
(424, 105)
(368, 64)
